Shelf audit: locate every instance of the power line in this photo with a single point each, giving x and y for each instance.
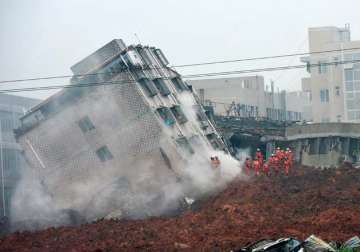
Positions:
(211, 74)
(265, 57)
(186, 65)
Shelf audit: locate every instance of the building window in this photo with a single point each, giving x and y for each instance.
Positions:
(148, 86)
(179, 114)
(337, 91)
(162, 87)
(322, 67)
(85, 124)
(324, 95)
(179, 84)
(185, 145)
(247, 84)
(357, 75)
(104, 154)
(348, 75)
(166, 115)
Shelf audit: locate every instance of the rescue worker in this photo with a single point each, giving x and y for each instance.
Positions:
(278, 152)
(276, 164)
(217, 162)
(256, 166)
(266, 168)
(213, 162)
(247, 166)
(286, 166)
(259, 156)
(290, 157)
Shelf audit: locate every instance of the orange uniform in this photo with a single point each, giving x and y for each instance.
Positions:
(259, 156)
(286, 166)
(276, 164)
(256, 166)
(266, 168)
(248, 166)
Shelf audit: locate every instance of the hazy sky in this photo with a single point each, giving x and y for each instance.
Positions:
(43, 37)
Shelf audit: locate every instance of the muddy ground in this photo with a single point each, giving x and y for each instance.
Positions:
(310, 201)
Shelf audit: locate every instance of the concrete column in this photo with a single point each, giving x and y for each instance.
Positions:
(297, 150)
(346, 146)
(317, 146)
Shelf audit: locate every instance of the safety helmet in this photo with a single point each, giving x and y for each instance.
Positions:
(257, 149)
(278, 148)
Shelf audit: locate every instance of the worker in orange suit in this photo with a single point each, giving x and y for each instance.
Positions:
(266, 168)
(290, 157)
(256, 166)
(217, 162)
(247, 166)
(259, 156)
(276, 164)
(286, 166)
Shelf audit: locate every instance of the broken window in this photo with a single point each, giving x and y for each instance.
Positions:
(104, 154)
(148, 86)
(162, 87)
(185, 145)
(179, 114)
(179, 84)
(85, 124)
(166, 115)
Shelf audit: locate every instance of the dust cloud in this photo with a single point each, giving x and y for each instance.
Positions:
(144, 190)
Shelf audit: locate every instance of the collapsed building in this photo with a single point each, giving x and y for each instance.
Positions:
(129, 124)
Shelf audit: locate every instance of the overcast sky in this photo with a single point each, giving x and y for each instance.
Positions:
(43, 37)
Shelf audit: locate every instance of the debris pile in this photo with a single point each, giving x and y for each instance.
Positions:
(308, 201)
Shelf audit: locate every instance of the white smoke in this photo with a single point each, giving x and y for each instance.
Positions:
(153, 190)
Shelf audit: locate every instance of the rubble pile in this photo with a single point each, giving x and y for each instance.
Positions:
(308, 201)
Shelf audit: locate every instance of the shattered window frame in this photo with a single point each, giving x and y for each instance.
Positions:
(104, 154)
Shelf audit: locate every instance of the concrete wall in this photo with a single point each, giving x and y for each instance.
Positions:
(224, 91)
(331, 159)
(322, 130)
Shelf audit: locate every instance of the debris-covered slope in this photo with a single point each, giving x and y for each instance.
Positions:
(310, 201)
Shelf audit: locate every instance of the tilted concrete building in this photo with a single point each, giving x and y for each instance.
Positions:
(248, 97)
(135, 114)
(334, 85)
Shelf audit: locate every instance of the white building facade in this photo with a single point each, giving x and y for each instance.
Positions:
(334, 82)
(248, 97)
